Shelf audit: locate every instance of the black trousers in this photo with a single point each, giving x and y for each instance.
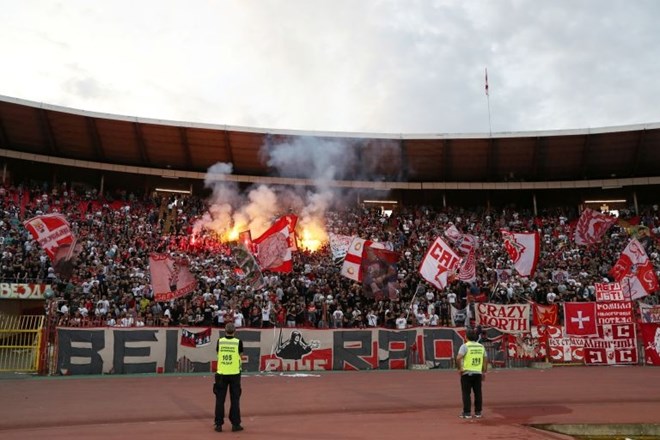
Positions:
(222, 383)
(470, 383)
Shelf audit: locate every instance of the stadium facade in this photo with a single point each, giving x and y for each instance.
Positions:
(616, 166)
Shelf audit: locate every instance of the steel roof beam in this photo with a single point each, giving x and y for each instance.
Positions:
(183, 133)
(47, 130)
(142, 147)
(95, 138)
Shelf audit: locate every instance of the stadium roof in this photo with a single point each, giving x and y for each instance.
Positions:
(603, 153)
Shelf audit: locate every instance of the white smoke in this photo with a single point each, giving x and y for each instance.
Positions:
(321, 161)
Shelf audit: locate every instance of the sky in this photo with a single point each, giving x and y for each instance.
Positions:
(367, 66)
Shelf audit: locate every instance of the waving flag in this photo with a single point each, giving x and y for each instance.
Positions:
(170, 278)
(357, 251)
(53, 233)
(468, 269)
(523, 249)
(379, 273)
(273, 247)
(592, 226)
(339, 245)
(634, 271)
(463, 243)
(439, 264)
(248, 266)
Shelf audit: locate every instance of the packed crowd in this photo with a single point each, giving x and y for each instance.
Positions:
(110, 284)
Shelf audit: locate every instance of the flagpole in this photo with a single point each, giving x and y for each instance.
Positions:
(490, 128)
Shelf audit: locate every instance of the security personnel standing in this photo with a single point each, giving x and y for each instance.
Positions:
(472, 363)
(228, 375)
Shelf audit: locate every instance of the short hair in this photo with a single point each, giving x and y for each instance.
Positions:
(471, 335)
(230, 328)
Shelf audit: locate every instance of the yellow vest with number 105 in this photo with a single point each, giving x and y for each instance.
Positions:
(473, 361)
(229, 359)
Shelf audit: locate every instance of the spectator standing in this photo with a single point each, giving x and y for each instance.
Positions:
(228, 376)
(472, 363)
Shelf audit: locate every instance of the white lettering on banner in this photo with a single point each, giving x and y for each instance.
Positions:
(511, 318)
(609, 292)
(614, 312)
(580, 319)
(22, 290)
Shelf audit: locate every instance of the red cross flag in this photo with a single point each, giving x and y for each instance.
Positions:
(580, 319)
(439, 264)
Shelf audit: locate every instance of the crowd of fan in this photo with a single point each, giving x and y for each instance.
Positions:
(110, 284)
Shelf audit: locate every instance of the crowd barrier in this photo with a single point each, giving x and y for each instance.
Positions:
(21, 342)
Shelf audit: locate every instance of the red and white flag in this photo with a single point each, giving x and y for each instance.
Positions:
(523, 249)
(439, 264)
(170, 278)
(274, 247)
(651, 338)
(51, 232)
(463, 243)
(193, 339)
(580, 319)
(591, 227)
(468, 269)
(351, 268)
(634, 271)
(357, 251)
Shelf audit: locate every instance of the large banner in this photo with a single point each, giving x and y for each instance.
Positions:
(507, 318)
(614, 312)
(23, 290)
(530, 346)
(615, 344)
(651, 338)
(170, 350)
(563, 348)
(609, 292)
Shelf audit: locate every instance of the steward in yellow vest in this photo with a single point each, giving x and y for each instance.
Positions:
(228, 376)
(472, 363)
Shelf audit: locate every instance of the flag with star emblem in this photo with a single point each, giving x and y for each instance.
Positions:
(543, 314)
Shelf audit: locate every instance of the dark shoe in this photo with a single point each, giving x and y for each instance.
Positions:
(218, 428)
(235, 428)
(465, 416)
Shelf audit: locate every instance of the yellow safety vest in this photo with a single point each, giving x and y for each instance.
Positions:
(229, 359)
(473, 361)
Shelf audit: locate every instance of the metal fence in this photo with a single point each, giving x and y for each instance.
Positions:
(20, 343)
